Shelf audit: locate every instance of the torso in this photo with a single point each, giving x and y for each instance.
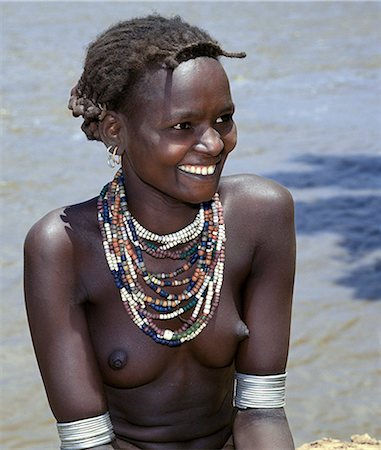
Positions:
(162, 397)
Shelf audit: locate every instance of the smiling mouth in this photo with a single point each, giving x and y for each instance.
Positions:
(198, 170)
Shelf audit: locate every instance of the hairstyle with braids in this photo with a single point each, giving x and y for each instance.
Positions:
(122, 54)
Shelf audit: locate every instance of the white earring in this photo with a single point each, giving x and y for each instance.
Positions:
(112, 157)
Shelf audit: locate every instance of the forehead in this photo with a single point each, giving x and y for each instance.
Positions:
(196, 83)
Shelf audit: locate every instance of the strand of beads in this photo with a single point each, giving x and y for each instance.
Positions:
(168, 241)
(125, 241)
(158, 252)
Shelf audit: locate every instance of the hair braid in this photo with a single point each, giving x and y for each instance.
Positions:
(118, 56)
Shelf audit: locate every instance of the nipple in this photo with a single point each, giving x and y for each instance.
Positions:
(242, 330)
(117, 360)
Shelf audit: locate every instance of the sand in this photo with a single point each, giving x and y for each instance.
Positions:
(358, 442)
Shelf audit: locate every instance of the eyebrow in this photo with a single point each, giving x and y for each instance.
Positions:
(180, 115)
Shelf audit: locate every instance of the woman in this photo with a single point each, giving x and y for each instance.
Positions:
(144, 302)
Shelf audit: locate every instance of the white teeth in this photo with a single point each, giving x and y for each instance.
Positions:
(198, 170)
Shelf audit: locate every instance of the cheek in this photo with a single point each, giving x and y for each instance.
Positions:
(175, 154)
(230, 139)
(170, 152)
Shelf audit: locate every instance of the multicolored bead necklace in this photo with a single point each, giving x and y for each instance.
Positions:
(125, 241)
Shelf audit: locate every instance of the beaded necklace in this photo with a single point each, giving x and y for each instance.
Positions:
(125, 241)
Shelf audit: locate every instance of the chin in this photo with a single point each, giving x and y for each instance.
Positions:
(196, 198)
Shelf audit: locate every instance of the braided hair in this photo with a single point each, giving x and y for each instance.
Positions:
(120, 56)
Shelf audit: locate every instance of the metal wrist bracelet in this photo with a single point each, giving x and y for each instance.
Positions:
(86, 433)
(254, 391)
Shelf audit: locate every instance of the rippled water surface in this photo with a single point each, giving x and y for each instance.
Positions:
(309, 115)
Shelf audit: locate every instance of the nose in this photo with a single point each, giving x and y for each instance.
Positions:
(210, 142)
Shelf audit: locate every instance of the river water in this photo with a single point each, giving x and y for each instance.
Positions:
(309, 116)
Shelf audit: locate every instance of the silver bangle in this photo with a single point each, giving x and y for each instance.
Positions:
(86, 433)
(254, 391)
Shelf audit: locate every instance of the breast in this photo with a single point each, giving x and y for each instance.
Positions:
(217, 345)
(128, 358)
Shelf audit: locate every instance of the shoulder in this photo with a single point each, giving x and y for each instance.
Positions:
(57, 231)
(53, 257)
(256, 198)
(259, 216)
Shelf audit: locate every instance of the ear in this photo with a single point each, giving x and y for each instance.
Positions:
(110, 129)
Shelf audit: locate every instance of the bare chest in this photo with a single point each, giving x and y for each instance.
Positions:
(129, 358)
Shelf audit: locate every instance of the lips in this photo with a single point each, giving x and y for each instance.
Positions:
(198, 170)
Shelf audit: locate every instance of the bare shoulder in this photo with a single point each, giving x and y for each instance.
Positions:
(59, 230)
(53, 257)
(256, 197)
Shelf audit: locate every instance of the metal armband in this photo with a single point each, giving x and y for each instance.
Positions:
(86, 433)
(253, 391)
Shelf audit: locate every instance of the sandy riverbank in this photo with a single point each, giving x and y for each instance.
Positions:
(357, 442)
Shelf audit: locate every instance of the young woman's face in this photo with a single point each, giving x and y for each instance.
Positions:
(180, 131)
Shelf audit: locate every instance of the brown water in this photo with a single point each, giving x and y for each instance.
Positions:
(309, 116)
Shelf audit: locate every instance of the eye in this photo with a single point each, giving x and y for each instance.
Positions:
(224, 118)
(182, 126)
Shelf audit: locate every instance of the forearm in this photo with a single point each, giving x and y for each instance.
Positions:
(116, 445)
(262, 429)
(111, 446)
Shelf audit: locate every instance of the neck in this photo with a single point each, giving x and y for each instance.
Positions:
(155, 210)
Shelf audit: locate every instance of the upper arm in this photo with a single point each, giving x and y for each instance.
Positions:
(267, 296)
(55, 306)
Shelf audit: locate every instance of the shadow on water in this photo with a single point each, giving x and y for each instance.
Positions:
(348, 172)
(355, 216)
